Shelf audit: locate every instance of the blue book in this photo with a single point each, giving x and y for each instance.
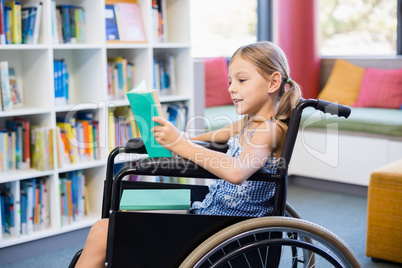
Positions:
(24, 204)
(73, 30)
(28, 16)
(3, 215)
(7, 24)
(66, 22)
(64, 80)
(15, 127)
(8, 212)
(57, 92)
(112, 30)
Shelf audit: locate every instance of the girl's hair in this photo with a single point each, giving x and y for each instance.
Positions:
(269, 58)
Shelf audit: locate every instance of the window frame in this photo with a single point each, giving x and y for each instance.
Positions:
(265, 23)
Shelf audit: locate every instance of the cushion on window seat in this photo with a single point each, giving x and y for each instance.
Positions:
(219, 116)
(369, 120)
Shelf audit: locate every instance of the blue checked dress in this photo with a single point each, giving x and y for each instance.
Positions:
(250, 199)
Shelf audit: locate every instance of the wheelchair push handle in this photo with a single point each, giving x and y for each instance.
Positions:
(325, 106)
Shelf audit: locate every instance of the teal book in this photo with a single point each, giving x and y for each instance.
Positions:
(145, 105)
(155, 199)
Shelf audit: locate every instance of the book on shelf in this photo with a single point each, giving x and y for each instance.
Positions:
(31, 21)
(72, 196)
(7, 24)
(155, 200)
(88, 135)
(176, 113)
(159, 20)
(61, 78)
(68, 129)
(15, 145)
(54, 22)
(124, 126)
(35, 207)
(120, 77)
(68, 23)
(16, 31)
(2, 26)
(77, 139)
(165, 75)
(112, 30)
(145, 105)
(42, 141)
(28, 15)
(26, 141)
(38, 22)
(17, 96)
(5, 86)
(11, 217)
(129, 22)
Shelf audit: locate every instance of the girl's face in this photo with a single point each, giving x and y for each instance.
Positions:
(249, 90)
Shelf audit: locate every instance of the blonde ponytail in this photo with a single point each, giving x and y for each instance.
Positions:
(288, 99)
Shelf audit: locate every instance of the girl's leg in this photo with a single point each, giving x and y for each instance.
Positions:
(94, 252)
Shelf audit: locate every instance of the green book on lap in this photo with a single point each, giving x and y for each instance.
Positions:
(155, 199)
(145, 105)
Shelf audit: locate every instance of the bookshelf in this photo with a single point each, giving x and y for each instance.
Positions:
(88, 91)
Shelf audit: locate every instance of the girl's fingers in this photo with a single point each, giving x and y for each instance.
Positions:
(158, 120)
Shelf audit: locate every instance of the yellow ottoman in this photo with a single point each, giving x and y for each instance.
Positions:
(384, 215)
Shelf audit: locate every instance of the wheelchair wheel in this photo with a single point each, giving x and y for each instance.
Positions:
(250, 244)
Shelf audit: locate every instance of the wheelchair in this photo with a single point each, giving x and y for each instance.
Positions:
(140, 239)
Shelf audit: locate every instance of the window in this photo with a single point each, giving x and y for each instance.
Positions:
(359, 27)
(219, 27)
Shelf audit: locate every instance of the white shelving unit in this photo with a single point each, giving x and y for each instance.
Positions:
(87, 68)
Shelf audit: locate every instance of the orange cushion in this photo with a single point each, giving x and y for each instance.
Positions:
(216, 82)
(381, 88)
(343, 84)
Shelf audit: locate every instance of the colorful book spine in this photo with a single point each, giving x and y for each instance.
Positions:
(16, 29)
(28, 17)
(129, 22)
(72, 197)
(37, 23)
(5, 86)
(121, 77)
(112, 30)
(68, 24)
(61, 84)
(2, 21)
(42, 140)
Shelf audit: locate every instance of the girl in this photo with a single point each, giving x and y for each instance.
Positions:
(261, 89)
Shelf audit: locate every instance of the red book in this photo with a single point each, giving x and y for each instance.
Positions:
(129, 22)
(2, 31)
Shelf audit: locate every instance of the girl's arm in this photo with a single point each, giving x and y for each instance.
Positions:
(231, 169)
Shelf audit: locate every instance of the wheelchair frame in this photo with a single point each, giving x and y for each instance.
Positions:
(133, 237)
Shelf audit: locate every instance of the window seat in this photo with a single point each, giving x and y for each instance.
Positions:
(366, 120)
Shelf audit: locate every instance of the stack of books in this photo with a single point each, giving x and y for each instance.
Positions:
(20, 24)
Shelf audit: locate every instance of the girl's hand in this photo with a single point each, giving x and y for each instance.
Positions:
(166, 134)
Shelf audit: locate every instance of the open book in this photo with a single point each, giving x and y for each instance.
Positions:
(145, 105)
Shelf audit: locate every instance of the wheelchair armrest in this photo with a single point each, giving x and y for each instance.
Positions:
(136, 146)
